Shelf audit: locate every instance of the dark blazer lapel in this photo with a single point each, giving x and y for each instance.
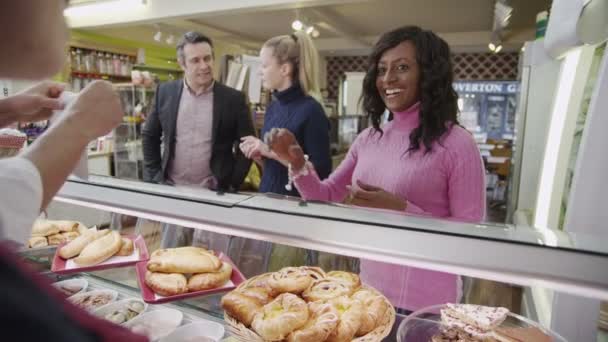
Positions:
(174, 107)
(218, 98)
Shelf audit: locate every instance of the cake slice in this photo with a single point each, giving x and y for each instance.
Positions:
(485, 318)
(454, 323)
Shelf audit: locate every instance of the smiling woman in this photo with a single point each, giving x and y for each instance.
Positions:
(430, 164)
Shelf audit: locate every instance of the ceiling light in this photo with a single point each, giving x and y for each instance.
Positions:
(315, 33)
(170, 40)
(310, 29)
(498, 48)
(491, 46)
(297, 25)
(102, 7)
(158, 36)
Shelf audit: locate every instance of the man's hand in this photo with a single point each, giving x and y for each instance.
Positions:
(33, 104)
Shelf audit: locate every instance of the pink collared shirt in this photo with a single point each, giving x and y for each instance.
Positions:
(194, 140)
(447, 183)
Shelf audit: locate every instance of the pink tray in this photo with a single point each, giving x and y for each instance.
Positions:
(152, 298)
(60, 264)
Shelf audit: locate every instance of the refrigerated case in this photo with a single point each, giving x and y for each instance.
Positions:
(505, 253)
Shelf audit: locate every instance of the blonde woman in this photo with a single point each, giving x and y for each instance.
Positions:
(290, 68)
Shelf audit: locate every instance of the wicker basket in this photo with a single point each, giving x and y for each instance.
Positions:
(241, 333)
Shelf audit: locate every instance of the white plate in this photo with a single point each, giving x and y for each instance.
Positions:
(76, 282)
(156, 324)
(195, 331)
(111, 307)
(77, 297)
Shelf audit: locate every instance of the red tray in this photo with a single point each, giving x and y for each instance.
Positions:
(152, 298)
(61, 266)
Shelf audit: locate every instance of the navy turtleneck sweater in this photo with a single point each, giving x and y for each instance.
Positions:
(306, 119)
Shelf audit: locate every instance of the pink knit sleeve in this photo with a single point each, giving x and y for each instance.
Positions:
(332, 189)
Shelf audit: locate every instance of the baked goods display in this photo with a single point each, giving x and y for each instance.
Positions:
(302, 304)
(175, 271)
(122, 311)
(94, 299)
(54, 232)
(468, 322)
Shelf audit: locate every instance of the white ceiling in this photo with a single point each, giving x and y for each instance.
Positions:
(349, 27)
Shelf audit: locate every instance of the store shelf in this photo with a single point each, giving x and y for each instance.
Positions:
(83, 74)
(148, 67)
(509, 254)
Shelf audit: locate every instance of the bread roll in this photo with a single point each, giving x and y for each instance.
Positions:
(323, 320)
(166, 284)
(205, 281)
(279, 318)
(38, 241)
(126, 247)
(350, 312)
(74, 247)
(375, 309)
(326, 289)
(294, 279)
(241, 307)
(56, 239)
(183, 260)
(99, 250)
(44, 228)
(66, 226)
(69, 236)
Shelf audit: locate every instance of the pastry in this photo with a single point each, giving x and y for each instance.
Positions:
(44, 228)
(183, 260)
(280, 317)
(258, 293)
(241, 307)
(74, 247)
(351, 279)
(325, 289)
(66, 226)
(167, 284)
(323, 320)
(375, 309)
(69, 236)
(56, 239)
(482, 317)
(99, 250)
(204, 281)
(126, 247)
(464, 328)
(350, 312)
(38, 241)
(295, 279)
(262, 282)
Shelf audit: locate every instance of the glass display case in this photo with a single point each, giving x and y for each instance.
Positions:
(262, 233)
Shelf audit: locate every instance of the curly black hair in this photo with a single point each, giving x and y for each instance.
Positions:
(438, 99)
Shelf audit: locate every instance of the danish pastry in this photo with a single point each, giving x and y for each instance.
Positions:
(351, 279)
(326, 289)
(375, 309)
(280, 317)
(262, 282)
(126, 247)
(99, 250)
(74, 247)
(38, 241)
(323, 320)
(44, 228)
(295, 279)
(204, 281)
(69, 236)
(258, 293)
(166, 284)
(242, 307)
(183, 260)
(350, 312)
(56, 239)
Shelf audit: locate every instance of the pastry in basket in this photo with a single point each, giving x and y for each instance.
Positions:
(56, 239)
(348, 278)
(350, 312)
(44, 228)
(280, 317)
(183, 260)
(126, 247)
(37, 241)
(323, 320)
(244, 306)
(295, 279)
(326, 289)
(262, 282)
(167, 284)
(375, 310)
(99, 250)
(69, 236)
(211, 280)
(74, 247)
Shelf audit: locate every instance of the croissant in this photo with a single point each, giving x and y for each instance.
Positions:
(323, 320)
(350, 312)
(280, 317)
(240, 306)
(375, 309)
(325, 289)
(295, 279)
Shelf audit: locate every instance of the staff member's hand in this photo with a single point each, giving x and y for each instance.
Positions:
(36, 103)
(365, 195)
(254, 148)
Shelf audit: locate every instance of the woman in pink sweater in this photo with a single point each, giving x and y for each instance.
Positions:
(421, 162)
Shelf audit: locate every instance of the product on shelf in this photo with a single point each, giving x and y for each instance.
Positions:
(71, 287)
(167, 269)
(122, 311)
(53, 233)
(94, 299)
(99, 250)
(273, 307)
